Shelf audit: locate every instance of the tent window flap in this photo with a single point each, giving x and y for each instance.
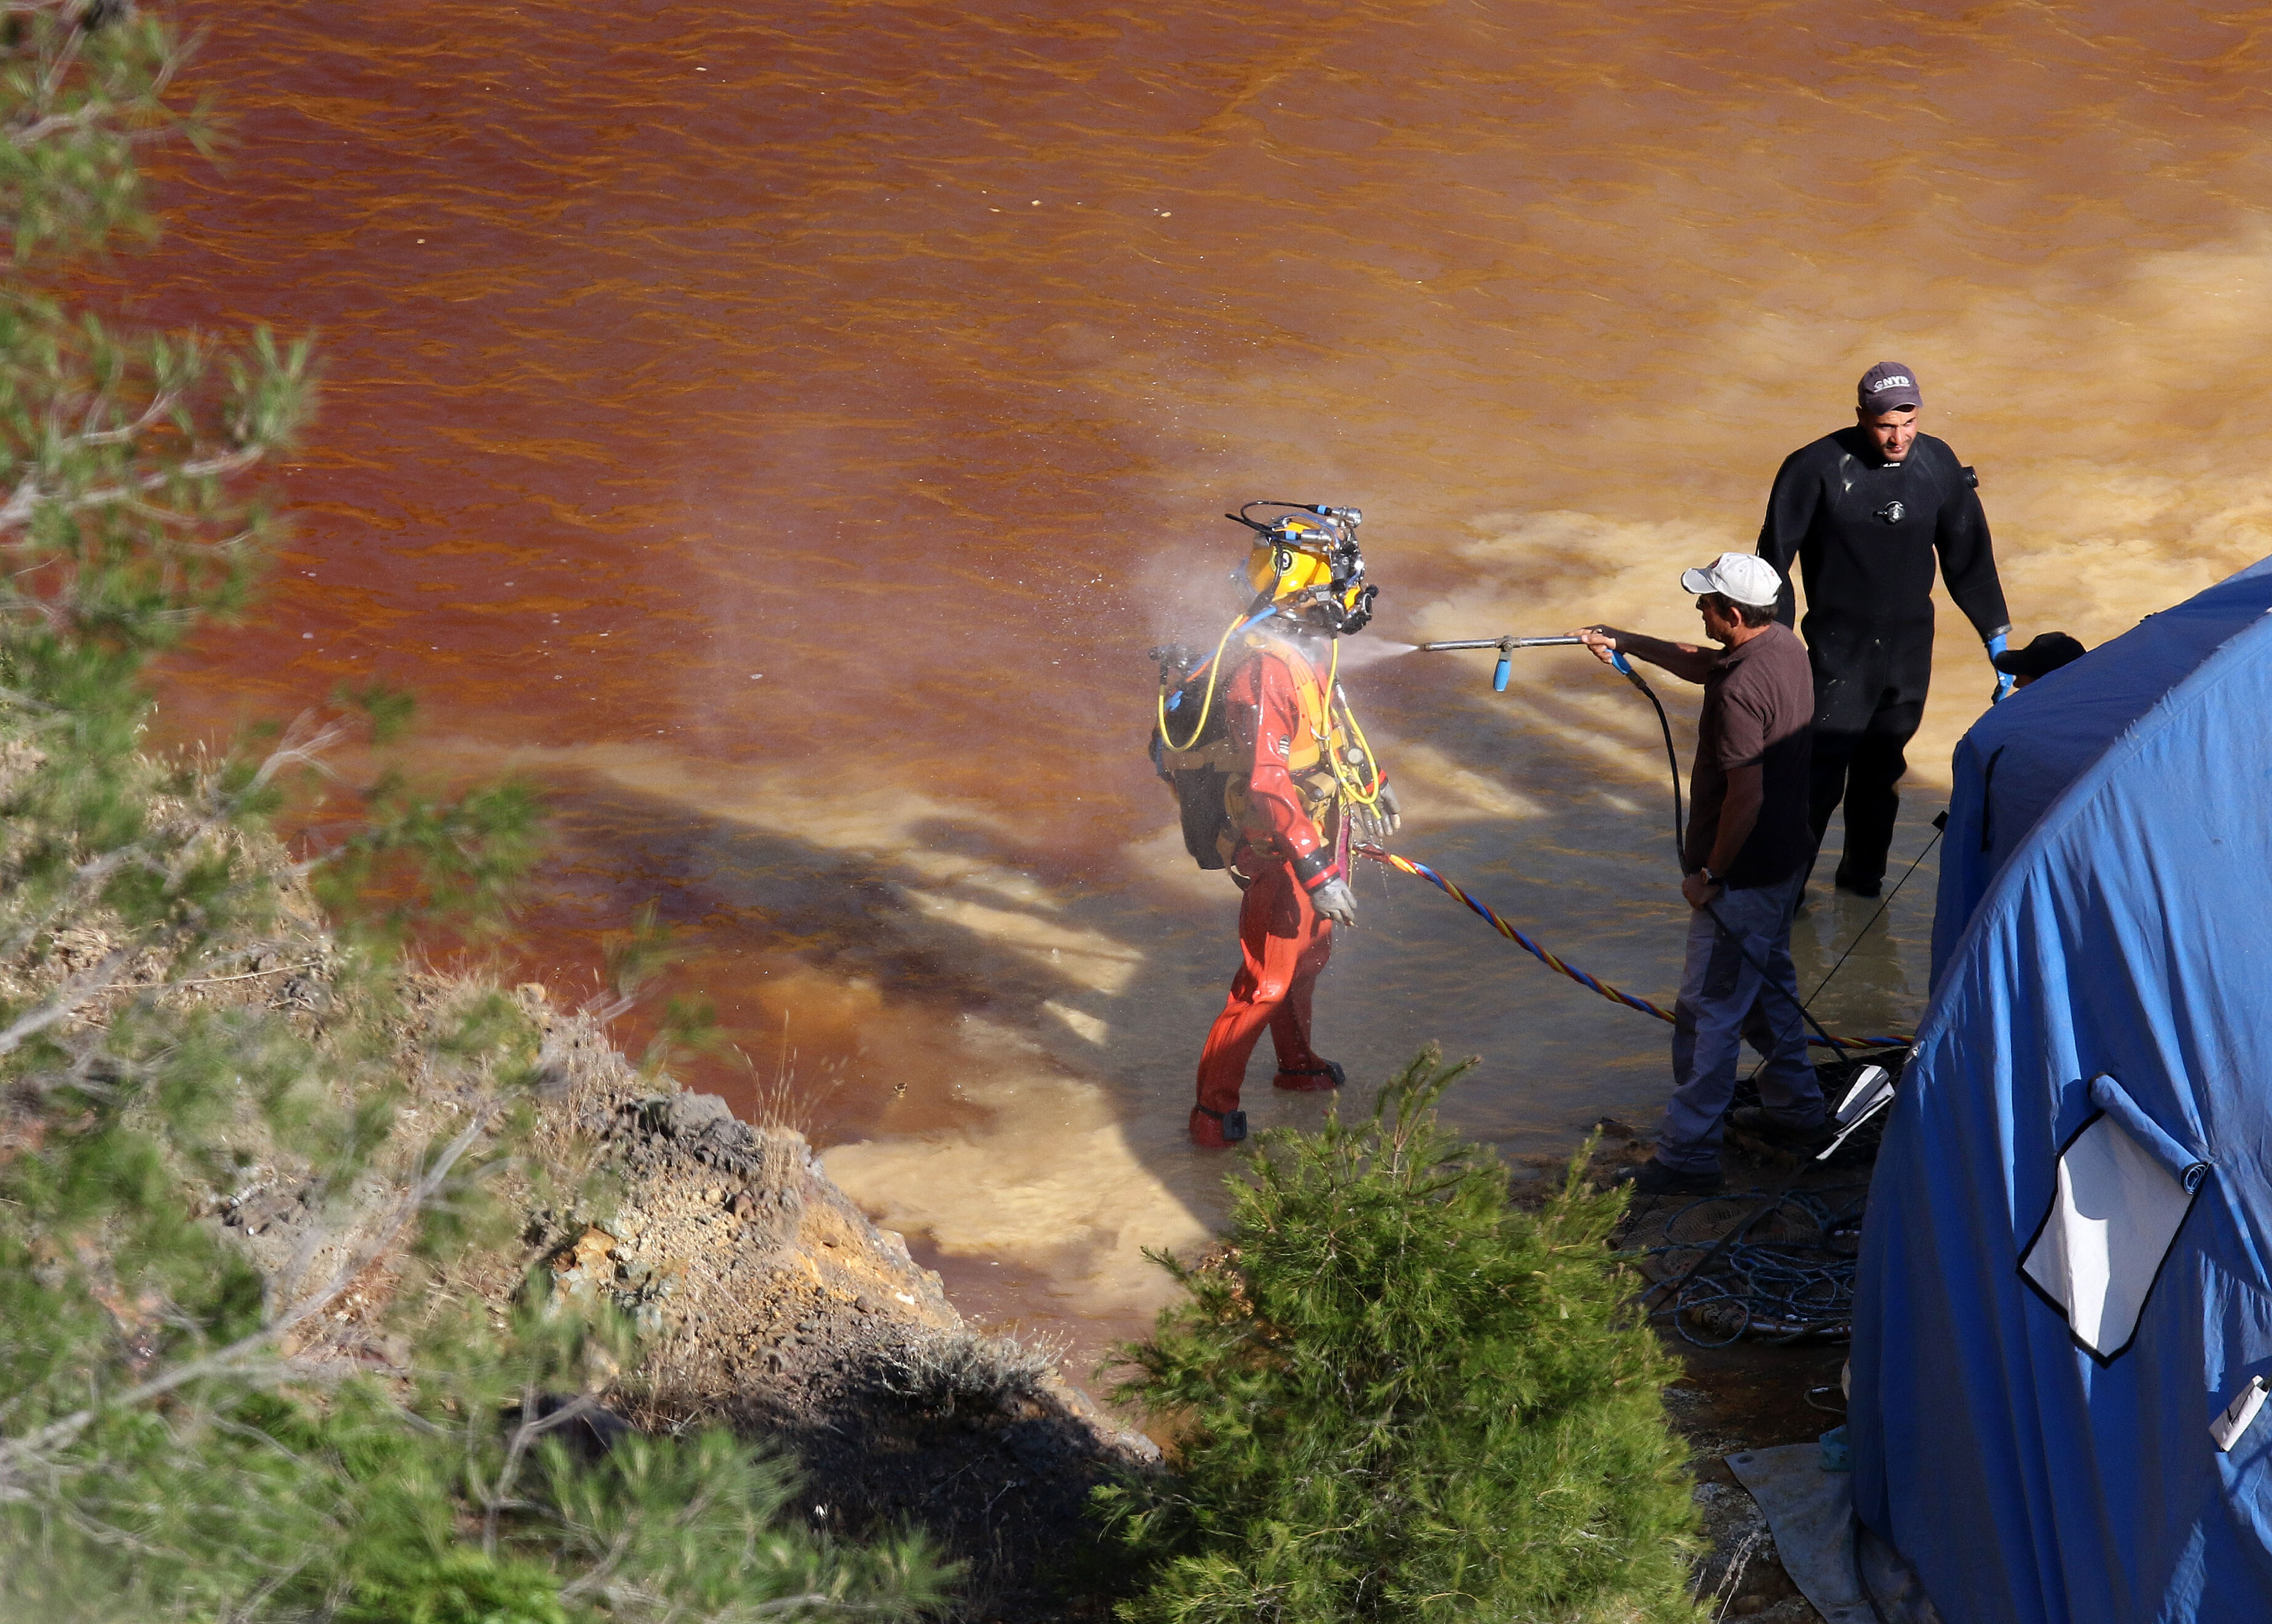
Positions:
(2124, 1188)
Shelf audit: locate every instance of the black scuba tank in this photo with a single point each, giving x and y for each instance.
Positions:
(1200, 773)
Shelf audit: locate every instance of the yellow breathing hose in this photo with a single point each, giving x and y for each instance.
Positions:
(1342, 774)
(1215, 663)
(1214, 671)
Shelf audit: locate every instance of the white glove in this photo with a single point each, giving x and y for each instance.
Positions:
(1336, 901)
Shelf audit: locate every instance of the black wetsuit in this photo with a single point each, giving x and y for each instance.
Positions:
(1865, 533)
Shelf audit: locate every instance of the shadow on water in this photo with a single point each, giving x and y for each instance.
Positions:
(995, 1046)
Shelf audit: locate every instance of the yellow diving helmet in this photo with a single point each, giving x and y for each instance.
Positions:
(1307, 565)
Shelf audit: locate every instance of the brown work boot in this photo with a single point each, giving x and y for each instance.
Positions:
(1217, 1130)
(1320, 1078)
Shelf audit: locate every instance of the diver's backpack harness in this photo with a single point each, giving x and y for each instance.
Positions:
(1208, 771)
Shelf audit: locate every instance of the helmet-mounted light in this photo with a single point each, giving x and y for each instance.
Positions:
(1307, 564)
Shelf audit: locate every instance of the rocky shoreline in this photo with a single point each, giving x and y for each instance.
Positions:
(770, 1303)
(776, 1306)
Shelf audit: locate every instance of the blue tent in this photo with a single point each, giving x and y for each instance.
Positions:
(2065, 1297)
(2064, 1307)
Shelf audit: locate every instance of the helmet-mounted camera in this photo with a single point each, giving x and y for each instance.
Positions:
(1305, 562)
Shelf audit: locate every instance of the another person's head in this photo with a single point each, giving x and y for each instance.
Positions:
(2047, 653)
(1886, 404)
(1736, 595)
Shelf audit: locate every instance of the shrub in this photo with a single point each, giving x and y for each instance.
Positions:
(961, 1371)
(1401, 1399)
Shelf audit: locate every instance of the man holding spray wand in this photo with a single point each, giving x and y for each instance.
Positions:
(1749, 847)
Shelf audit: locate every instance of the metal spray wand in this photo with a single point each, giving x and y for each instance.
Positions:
(1505, 647)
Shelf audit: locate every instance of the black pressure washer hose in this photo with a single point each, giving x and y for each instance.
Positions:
(1680, 850)
(1671, 762)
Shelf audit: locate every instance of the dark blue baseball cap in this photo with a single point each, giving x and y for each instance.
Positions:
(1889, 386)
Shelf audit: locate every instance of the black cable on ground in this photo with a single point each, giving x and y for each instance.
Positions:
(1799, 1285)
(1940, 824)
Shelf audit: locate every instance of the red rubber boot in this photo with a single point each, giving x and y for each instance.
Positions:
(1321, 1077)
(1217, 1130)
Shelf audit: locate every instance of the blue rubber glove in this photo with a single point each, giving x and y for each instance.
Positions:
(1996, 646)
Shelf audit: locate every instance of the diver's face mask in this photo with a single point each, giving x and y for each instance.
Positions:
(1310, 567)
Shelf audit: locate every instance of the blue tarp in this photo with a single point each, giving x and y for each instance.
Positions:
(2020, 756)
(2105, 911)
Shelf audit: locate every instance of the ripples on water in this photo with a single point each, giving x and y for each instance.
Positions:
(782, 429)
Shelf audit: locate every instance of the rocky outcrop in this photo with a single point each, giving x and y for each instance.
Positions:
(771, 1303)
(729, 1245)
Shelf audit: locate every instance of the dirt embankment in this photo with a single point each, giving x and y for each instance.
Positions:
(772, 1304)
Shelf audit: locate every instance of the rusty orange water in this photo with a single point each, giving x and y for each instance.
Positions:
(782, 429)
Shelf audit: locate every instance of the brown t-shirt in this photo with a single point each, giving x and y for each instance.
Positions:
(1758, 707)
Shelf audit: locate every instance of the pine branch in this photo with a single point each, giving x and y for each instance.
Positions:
(66, 1001)
(29, 496)
(300, 746)
(247, 1357)
(530, 1428)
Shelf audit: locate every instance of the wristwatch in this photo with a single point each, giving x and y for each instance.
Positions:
(1711, 878)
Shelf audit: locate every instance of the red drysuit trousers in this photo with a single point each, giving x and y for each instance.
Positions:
(1284, 942)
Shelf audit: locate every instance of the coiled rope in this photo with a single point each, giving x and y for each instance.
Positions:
(1796, 1281)
(1584, 979)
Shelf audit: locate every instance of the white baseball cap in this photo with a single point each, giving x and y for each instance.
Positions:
(1741, 577)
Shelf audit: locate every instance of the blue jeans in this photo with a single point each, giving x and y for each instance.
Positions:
(1719, 991)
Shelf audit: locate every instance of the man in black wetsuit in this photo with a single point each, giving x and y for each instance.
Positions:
(1865, 512)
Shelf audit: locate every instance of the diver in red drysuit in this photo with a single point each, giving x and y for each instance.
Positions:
(1295, 876)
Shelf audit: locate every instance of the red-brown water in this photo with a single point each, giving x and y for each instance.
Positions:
(782, 429)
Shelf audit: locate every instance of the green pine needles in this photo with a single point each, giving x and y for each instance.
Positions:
(238, 1157)
(1403, 1400)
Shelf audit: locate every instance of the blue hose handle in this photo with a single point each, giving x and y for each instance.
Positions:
(1506, 666)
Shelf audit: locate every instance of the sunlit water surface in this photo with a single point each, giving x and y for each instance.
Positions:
(782, 429)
